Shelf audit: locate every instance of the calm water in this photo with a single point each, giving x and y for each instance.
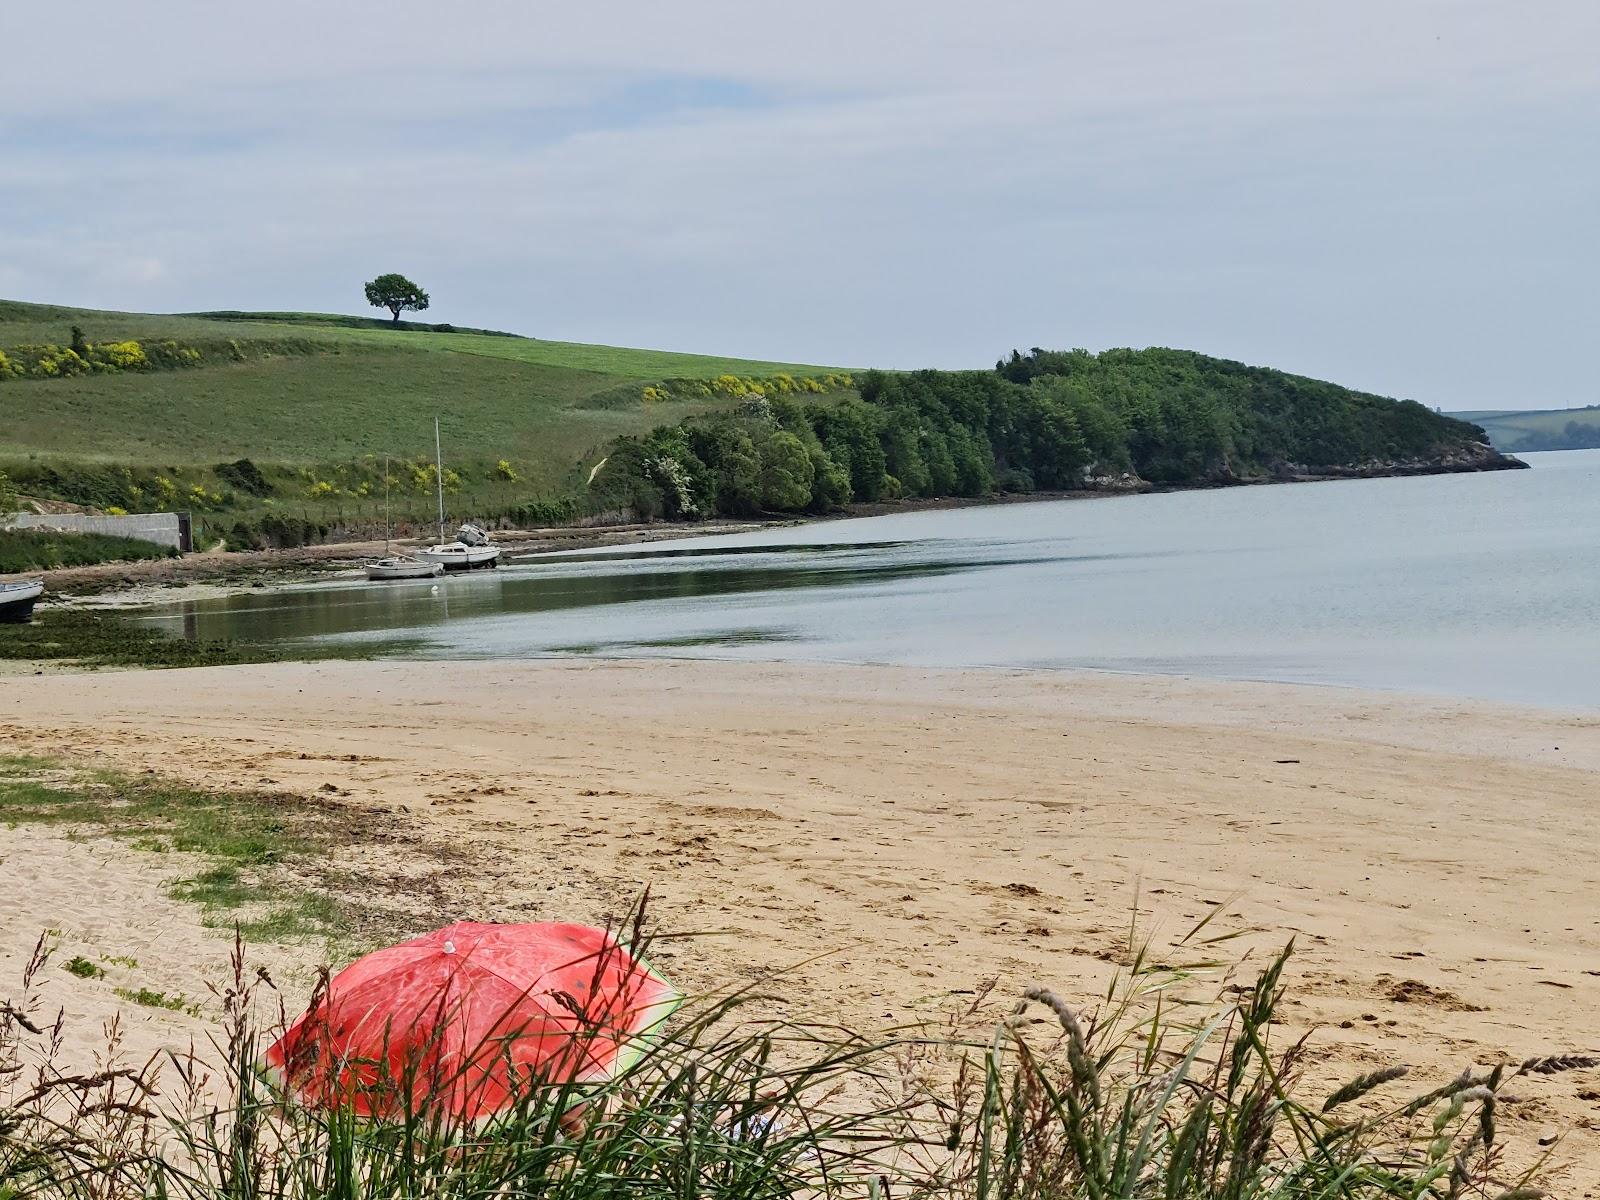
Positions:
(1474, 585)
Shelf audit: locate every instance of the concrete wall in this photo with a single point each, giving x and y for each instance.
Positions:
(164, 529)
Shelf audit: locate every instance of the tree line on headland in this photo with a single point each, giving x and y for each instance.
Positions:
(1041, 421)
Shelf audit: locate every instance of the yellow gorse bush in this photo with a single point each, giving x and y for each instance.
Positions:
(123, 356)
(49, 361)
(736, 387)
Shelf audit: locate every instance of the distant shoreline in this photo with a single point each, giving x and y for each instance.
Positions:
(233, 571)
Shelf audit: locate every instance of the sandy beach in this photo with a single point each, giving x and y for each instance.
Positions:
(894, 837)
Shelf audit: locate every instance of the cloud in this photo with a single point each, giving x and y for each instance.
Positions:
(1398, 196)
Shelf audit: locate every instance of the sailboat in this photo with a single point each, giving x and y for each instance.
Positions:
(472, 548)
(393, 566)
(16, 600)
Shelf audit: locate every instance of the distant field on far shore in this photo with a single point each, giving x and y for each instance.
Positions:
(1533, 430)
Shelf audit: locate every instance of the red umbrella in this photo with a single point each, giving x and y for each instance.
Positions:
(470, 1016)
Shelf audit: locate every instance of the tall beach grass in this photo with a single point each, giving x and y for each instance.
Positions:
(1148, 1091)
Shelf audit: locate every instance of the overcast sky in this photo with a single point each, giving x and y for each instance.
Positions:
(1401, 195)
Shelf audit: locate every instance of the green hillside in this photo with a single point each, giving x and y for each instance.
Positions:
(276, 428)
(154, 404)
(1540, 429)
(312, 388)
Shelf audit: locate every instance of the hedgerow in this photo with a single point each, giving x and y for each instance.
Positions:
(48, 360)
(737, 387)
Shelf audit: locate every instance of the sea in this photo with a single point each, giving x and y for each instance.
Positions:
(1483, 586)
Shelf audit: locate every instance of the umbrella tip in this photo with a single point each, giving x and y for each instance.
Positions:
(449, 947)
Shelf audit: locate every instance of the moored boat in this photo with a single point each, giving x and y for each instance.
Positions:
(472, 548)
(403, 568)
(393, 566)
(17, 599)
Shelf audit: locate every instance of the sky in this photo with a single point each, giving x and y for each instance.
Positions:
(1399, 195)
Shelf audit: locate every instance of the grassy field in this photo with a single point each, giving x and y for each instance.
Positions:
(341, 388)
(318, 401)
(1539, 429)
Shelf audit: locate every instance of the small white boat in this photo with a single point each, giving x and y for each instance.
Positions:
(403, 568)
(394, 566)
(472, 548)
(457, 556)
(17, 600)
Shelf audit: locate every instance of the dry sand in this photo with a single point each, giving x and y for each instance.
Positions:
(903, 835)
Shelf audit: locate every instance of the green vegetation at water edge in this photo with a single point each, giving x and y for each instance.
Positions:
(43, 549)
(1048, 420)
(102, 638)
(1540, 429)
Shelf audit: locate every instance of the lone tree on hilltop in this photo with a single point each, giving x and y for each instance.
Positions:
(396, 293)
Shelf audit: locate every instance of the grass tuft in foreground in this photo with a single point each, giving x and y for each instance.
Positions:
(1142, 1096)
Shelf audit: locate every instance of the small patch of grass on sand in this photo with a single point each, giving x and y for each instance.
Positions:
(149, 998)
(257, 843)
(83, 968)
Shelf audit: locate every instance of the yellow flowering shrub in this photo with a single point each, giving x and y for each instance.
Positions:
(734, 387)
(49, 361)
(122, 356)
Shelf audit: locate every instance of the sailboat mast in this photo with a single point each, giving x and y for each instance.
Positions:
(438, 462)
(388, 513)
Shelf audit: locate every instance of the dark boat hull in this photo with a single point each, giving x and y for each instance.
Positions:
(16, 612)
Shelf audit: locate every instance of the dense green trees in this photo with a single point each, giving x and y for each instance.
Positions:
(1047, 420)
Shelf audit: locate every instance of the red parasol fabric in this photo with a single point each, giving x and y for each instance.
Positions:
(471, 1016)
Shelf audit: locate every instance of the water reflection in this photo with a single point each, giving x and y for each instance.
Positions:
(558, 584)
(1483, 585)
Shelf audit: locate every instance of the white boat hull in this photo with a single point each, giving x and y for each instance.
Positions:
(458, 556)
(17, 600)
(403, 568)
